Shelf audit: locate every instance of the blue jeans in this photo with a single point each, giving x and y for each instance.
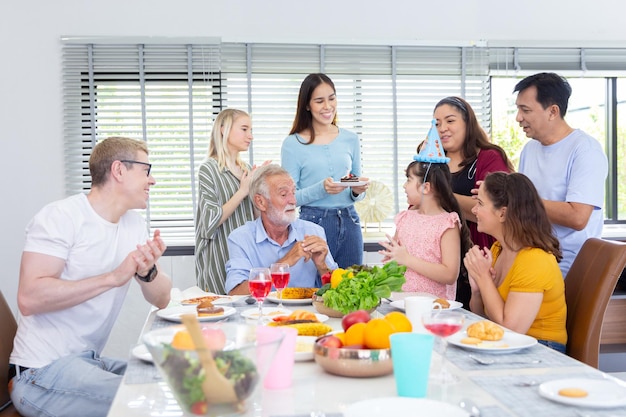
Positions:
(77, 385)
(559, 347)
(343, 232)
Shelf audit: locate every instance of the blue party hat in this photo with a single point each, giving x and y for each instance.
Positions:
(432, 150)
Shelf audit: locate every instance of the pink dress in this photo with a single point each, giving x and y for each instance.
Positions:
(421, 235)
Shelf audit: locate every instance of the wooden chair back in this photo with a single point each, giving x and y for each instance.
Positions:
(589, 285)
(8, 327)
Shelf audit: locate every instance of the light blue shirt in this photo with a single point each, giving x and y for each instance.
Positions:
(574, 170)
(249, 247)
(310, 165)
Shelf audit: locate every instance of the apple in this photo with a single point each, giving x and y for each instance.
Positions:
(326, 278)
(359, 316)
(330, 341)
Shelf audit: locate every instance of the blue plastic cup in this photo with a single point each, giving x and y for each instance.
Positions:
(411, 353)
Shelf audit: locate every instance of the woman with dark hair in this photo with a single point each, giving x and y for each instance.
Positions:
(472, 157)
(517, 283)
(317, 153)
(431, 236)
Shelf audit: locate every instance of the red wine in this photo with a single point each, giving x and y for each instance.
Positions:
(443, 329)
(280, 279)
(260, 289)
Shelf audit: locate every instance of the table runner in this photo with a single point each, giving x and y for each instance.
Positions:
(526, 401)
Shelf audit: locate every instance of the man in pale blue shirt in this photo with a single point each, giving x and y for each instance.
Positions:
(277, 235)
(567, 166)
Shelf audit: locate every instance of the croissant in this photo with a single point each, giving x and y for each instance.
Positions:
(485, 330)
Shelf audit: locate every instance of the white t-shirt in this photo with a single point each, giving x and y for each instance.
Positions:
(574, 170)
(71, 230)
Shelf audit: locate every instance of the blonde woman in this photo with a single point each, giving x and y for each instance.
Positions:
(223, 203)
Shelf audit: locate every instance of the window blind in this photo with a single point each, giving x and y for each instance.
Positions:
(169, 94)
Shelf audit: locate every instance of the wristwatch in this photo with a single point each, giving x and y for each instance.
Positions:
(150, 276)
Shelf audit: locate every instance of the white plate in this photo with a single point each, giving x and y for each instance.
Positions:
(174, 313)
(603, 393)
(399, 304)
(141, 352)
(269, 312)
(403, 407)
(510, 342)
(273, 297)
(224, 299)
(304, 348)
(350, 184)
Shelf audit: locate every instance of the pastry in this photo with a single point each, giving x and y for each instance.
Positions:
(349, 178)
(573, 392)
(485, 330)
(206, 308)
(471, 341)
(200, 300)
(442, 302)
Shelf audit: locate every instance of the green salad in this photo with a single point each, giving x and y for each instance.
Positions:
(365, 289)
(185, 374)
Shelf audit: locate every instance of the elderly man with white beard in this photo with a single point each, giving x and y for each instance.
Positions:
(277, 235)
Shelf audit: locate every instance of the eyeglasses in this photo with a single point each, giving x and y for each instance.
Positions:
(128, 161)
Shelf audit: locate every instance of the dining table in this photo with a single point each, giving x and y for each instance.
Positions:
(505, 384)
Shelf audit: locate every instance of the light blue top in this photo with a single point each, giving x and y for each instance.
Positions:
(574, 170)
(250, 247)
(310, 165)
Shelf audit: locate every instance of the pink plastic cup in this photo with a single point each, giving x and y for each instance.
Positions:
(280, 373)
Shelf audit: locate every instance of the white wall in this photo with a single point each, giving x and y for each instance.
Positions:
(31, 128)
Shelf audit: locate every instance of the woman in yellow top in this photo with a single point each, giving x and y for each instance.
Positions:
(518, 283)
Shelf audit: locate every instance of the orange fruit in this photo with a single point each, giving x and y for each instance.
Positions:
(399, 321)
(377, 332)
(182, 340)
(341, 336)
(355, 335)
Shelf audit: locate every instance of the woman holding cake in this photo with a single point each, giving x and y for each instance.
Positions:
(518, 283)
(223, 203)
(317, 154)
(472, 157)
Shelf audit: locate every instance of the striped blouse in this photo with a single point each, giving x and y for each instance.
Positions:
(216, 187)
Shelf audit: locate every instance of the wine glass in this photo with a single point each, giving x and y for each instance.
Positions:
(280, 279)
(443, 324)
(260, 284)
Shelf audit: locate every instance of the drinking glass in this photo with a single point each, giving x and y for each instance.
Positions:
(443, 324)
(260, 284)
(280, 279)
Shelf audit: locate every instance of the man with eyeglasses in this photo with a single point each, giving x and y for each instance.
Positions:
(80, 256)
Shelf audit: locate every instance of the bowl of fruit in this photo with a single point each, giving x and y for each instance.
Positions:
(358, 287)
(221, 378)
(363, 348)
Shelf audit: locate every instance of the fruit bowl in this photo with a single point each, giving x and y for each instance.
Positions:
(241, 352)
(318, 303)
(360, 363)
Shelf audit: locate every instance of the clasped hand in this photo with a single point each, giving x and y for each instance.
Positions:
(479, 266)
(141, 260)
(311, 247)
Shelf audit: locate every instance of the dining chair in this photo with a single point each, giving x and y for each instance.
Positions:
(8, 327)
(589, 285)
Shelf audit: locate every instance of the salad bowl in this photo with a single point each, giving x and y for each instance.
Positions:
(242, 354)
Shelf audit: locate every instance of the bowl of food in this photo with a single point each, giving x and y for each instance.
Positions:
(238, 358)
(352, 362)
(358, 287)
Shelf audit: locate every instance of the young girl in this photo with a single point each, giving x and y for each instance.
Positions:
(431, 236)
(223, 203)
